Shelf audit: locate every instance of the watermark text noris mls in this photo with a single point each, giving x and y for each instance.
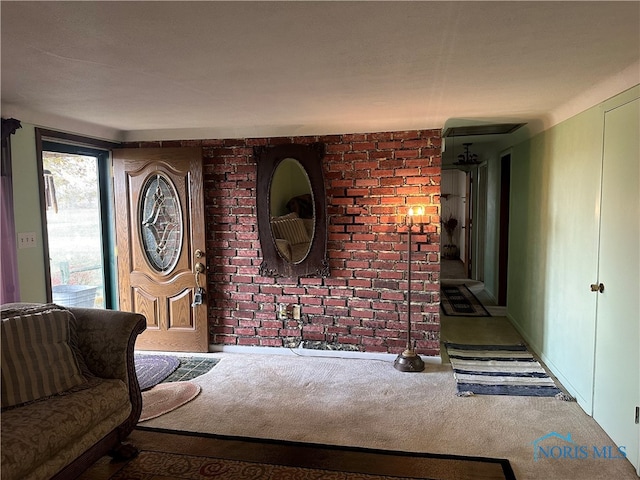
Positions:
(554, 446)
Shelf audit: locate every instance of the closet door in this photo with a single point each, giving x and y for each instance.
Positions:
(617, 361)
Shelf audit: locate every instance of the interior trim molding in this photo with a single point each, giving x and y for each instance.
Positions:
(307, 352)
(63, 124)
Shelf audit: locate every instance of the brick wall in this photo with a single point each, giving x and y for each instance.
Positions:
(371, 180)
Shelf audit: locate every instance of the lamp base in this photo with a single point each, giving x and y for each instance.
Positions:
(409, 361)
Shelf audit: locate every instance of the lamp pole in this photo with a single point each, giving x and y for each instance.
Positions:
(409, 360)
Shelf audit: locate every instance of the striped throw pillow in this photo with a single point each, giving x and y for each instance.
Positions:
(291, 229)
(37, 359)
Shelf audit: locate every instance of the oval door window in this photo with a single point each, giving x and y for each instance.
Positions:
(160, 222)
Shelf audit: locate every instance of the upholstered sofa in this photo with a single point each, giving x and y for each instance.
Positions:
(69, 389)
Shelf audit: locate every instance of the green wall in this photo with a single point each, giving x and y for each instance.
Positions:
(26, 198)
(289, 180)
(553, 244)
(492, 228)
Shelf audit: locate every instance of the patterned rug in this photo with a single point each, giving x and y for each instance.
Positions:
(500, 370)
(153, 369)
(191, 367)
(164, 381)
(167, 455)
(166, 397)
(459, 301)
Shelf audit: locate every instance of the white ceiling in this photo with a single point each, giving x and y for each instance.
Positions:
(167, 70)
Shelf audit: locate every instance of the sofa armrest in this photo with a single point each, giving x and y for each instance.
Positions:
(105, 337)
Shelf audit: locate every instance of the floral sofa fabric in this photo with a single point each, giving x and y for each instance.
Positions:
(59, 435)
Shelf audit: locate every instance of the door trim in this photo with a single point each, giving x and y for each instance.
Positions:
(503, 235)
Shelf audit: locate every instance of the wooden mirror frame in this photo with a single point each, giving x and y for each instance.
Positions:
(315, 264)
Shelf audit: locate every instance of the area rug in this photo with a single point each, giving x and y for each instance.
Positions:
(192, 456)
(153, 369)
(166, 397)
(458, 300)
(499, 370)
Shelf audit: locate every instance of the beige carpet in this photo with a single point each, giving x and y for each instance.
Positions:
(367, 403)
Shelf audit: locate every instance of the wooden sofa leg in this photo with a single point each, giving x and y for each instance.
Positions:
(123, 452)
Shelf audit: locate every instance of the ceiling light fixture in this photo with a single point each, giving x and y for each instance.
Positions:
(467, 158)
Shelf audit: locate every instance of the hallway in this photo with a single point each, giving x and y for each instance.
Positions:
(496, 329)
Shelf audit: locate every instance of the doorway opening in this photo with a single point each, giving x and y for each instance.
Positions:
(469, 249)
(454, 225)
(503, 248)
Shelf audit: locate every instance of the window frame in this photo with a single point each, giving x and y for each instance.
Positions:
(49, 140)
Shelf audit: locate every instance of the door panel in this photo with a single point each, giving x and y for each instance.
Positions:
(159, 225)
(617, 381)
(480, 233)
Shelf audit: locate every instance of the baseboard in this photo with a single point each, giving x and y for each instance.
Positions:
(491, 296)
(584, 403)
(307, 352)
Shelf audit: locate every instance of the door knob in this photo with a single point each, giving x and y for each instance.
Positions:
(597, 287)
(198, 296)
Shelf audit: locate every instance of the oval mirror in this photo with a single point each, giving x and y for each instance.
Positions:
(291, 210)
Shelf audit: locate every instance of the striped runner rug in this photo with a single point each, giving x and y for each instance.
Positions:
(499, 370)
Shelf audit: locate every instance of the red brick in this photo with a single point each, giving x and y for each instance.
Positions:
(389, 145)
(354, 157)
(406, 154)
(227, 340)
(337, 329)
(363, 332)
(313, 336)
(361, 314)
(245, 331)
(359, 146)
(348, 339)
(370, 341)
(370, 180)
(290, 332)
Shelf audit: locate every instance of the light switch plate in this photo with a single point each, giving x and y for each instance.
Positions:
(26, 240)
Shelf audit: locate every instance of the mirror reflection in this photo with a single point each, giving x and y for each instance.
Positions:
(291, 208)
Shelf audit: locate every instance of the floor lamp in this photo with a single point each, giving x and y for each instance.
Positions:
(409, 360)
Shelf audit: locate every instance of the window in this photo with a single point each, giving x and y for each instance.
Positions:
(78, 224)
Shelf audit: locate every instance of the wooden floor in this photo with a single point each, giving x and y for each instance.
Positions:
(179, 452)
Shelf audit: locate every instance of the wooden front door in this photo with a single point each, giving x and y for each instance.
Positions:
(161, 244)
